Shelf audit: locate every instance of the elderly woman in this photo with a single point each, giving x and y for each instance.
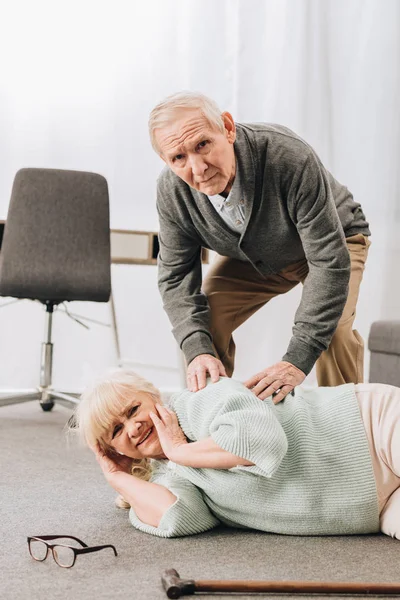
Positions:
(321, 462)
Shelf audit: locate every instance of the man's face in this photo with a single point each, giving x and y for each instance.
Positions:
(199, 154)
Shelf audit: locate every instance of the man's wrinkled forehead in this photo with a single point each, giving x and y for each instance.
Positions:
(189, 128)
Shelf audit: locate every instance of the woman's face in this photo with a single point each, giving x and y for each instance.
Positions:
(133, 433)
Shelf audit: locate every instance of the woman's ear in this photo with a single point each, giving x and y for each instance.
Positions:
(111, 452)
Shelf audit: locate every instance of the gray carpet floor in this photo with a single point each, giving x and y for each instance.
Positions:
(49, 486)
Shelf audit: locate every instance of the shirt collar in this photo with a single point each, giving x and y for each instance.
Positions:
(233, 196)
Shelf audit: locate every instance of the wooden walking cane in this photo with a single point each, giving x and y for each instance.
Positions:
(177, 587)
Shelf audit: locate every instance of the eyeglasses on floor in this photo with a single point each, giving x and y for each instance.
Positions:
(64, 555)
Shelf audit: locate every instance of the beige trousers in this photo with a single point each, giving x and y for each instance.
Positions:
(236, 290)
(380, 410)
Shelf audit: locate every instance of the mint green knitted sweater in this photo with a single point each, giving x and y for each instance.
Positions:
(312, 472)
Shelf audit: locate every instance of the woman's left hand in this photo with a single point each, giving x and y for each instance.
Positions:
(111, 466)
(170, 434)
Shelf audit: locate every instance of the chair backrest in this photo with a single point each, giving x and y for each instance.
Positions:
(56, 243)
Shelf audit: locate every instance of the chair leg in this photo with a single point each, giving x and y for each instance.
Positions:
(18, 398)
(46, 362)
(44, 393)
(114, 325)
(64, 399)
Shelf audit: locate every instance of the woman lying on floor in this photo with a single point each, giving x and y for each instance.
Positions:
(321, 462)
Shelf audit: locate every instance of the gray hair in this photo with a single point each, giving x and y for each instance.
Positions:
(165, 112)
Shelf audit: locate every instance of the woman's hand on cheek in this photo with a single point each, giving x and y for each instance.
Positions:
(171, 436)
(111, 466)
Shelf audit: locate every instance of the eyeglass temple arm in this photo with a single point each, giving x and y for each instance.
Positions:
(54, 537)
(95, 548)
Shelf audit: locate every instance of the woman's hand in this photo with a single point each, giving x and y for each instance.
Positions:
(111, 466)
(171, 436)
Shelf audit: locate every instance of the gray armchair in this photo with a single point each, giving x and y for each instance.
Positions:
(384, 344)
(56, 248)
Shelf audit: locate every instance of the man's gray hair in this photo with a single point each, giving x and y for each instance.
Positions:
(165, 112)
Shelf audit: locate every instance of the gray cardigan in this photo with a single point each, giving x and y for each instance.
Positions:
(296, 209)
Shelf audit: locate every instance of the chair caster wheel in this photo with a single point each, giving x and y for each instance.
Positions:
(47, 406)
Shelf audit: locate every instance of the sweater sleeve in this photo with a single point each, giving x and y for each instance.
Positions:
(237, 421)
(313, 211)
(180, 276)
(187, 516)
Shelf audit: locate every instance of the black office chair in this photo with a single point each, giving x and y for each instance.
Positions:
(56, 249)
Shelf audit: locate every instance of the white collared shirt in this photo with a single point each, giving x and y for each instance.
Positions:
(232, 208)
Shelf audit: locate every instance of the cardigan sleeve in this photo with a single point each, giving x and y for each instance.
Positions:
(313, 211)
(237, 421)
(180, 274)
(187, 516)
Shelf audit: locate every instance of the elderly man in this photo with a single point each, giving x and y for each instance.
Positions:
(259, 196)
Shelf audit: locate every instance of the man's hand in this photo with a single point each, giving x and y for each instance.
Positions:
(199, 367)
(170, 434)
(282, 376)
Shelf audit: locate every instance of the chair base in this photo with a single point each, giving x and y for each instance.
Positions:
(45, 392)
(46, 396)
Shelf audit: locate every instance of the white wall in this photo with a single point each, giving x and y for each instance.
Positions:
(75, 92)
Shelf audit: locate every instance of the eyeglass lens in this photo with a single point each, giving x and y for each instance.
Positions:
(64, 556)
(38, 549)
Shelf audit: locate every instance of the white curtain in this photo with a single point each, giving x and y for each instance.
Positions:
(77, 82)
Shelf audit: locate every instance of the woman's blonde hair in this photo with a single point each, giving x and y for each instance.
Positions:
(102, 403)
(165, 112)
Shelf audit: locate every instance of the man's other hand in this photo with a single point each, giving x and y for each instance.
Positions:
(199, 368)
(280, 378)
